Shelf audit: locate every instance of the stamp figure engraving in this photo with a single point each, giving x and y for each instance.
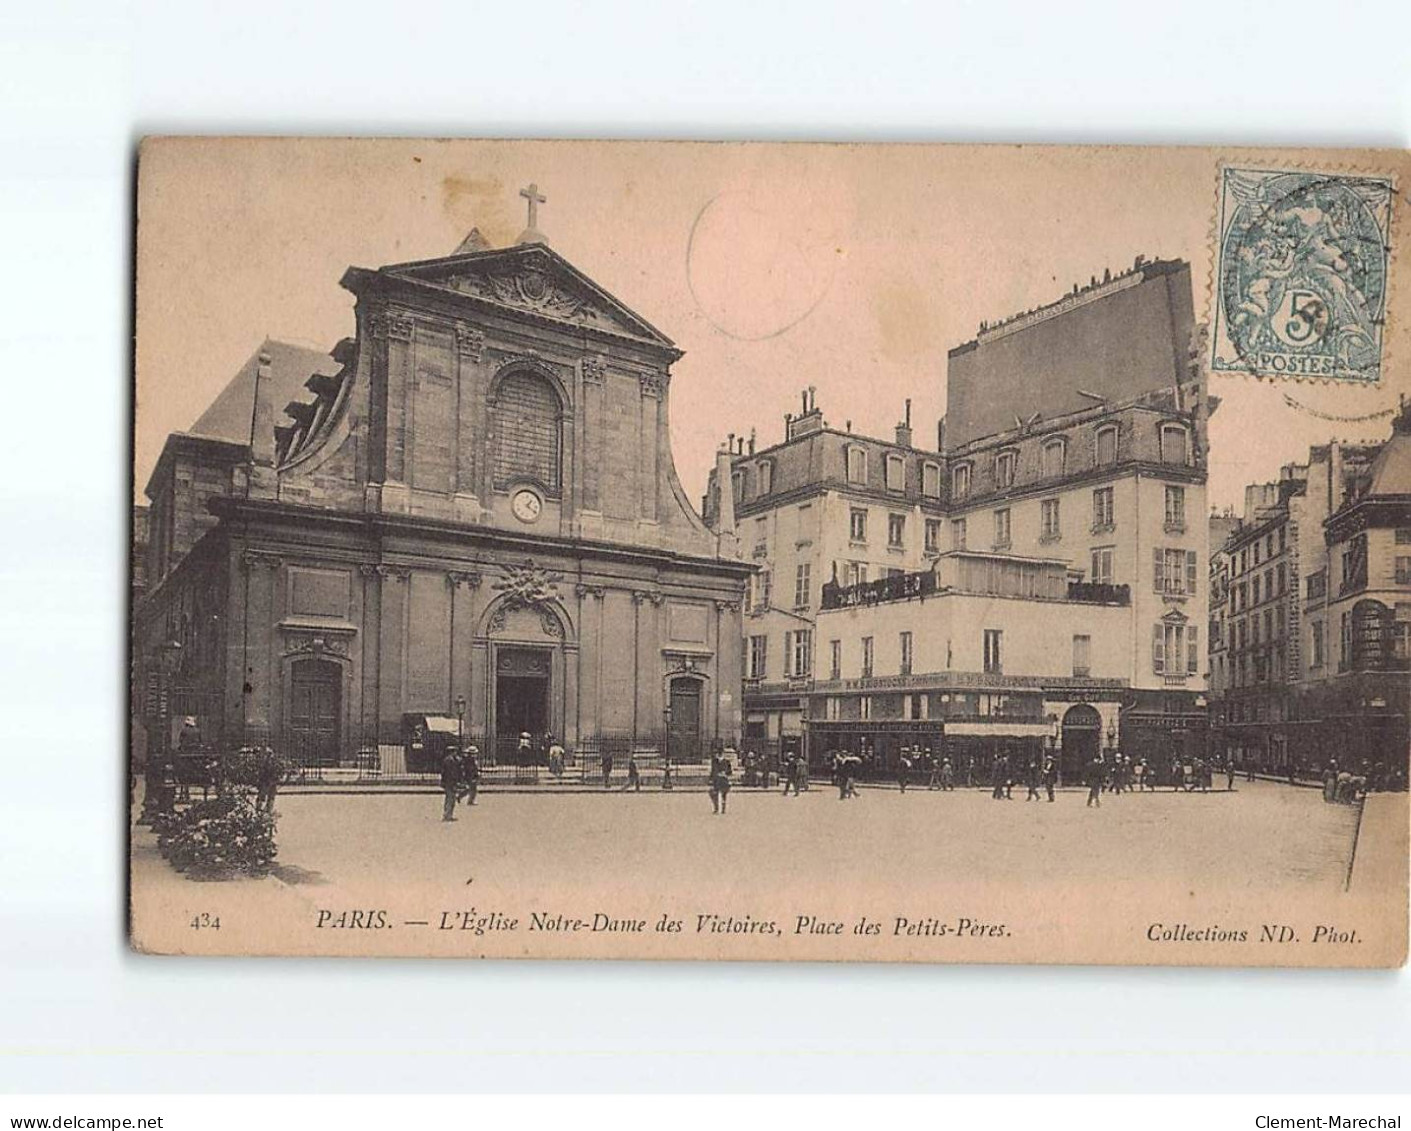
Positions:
(1301, 275)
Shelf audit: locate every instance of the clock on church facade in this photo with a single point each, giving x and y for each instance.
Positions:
(474, 501)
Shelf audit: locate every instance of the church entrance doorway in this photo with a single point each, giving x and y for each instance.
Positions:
(315, 712)
(683, 740)
(521, 702)
(1082, 734)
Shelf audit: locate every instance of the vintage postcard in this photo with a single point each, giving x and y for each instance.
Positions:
(771, 552)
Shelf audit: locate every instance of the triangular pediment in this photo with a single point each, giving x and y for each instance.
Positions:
(536, 280)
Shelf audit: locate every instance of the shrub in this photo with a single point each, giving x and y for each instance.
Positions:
(219, 838)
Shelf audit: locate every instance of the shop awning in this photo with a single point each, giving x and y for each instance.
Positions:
(999, 729)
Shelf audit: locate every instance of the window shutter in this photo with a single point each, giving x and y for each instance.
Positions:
(788, 654)
(1193, 649)
(1158, 559)
(1190, 572)
(1158, 648)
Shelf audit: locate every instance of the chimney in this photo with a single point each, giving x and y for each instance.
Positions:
(727, 542)
(941, 434)
(904, 428)
(751, 441)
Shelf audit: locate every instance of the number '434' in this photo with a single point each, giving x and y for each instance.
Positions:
(205, 921)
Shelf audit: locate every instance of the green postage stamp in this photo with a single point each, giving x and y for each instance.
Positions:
(1301, 276)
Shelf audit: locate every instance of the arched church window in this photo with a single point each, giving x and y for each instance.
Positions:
(527, 431)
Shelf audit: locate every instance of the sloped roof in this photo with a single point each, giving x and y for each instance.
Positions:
(229, 415)
(1391, 470)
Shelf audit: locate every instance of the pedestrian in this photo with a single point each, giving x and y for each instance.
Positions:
(470, 775)
(1050, 774)
(933, 770)
(997, 776)
(1033, 778)
(607, 769)
(719, 782)
(524, 753)
(1330, 781)
(1248, 766)
(450, 782)
(666, 782)
(1096, 772)
(556, 757)
(791, 773)
(634, 776)
(852, 769)
(947, 774)
(270, 769)
(1229, 773)
(904, 768)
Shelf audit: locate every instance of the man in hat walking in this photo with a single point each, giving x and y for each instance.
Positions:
(450, 783)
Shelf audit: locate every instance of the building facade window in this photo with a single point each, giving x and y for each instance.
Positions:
(835, 659)
(856, 573)
(1107, 445)
(766, 477)
(1055, 458)
(1050, 527)
(931, 480)
(802, 579)
(759, 656)
(1315, 653)
(1175, 571)
(1175, 444)
(866, 657)
(801, 655)
(993, 661)
(1175, 508)
(896, 530)
(864, 707)
(1103, 515)
(960, 480)
(1082, 655)
(1403, 570)
(1004, 470)
(1175, 649)
(737, 486)
(857, 465)
(957, 534)
(1002, 528)
(527, 430)
(762, 584)
(896, 473)
(933, 534)
(857, 524)
(905, 646)
(1102, 565)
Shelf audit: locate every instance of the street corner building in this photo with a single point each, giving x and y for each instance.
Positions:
(469, 508)
(1310, 625)
(1035, 582)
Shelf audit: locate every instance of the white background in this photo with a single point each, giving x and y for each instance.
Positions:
(79, 83)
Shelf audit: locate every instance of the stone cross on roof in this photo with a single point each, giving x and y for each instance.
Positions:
(532, 195)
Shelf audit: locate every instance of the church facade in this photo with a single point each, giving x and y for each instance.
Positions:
(472, 511)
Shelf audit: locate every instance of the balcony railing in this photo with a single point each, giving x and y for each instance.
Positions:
(1099, 593)
(901, 587)
(907, 586)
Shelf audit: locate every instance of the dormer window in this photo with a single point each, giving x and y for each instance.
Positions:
(737, 486)
(1004, 470)
(1055, 457)
(896, 473)
(857, 465)
(765, 477)
(960, 481)
(931, 480)
(1107, 445)
(1175, 444)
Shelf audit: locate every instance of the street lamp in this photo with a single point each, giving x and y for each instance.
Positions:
(159, 793)
(460, 723)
